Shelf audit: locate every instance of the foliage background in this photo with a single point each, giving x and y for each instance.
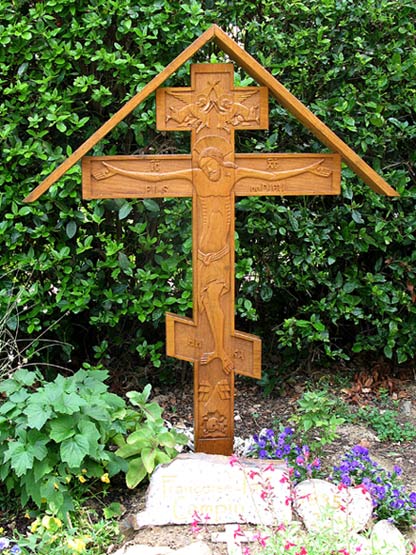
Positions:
(317, 278)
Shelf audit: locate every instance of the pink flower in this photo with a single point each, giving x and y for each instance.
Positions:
(252, 474)
(238, 533)
(246, 550)
(302, 551)
(260, 539)
(264, 495)
(344, 552)
(270, 468)
(284, 479)
(233, 460)
(288, 545)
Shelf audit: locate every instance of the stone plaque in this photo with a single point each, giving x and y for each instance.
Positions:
(216, 489)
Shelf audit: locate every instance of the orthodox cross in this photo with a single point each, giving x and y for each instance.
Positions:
(213, 175)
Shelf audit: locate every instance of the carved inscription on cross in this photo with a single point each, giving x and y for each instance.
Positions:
(212, 109)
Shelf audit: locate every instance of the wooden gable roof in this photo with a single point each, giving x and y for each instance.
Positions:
(263, 77)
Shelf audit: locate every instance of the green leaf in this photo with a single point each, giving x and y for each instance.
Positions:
(166, 439)
(71, 229)
(140, 436)
(148, 458)
(74, 450)
(136, 473)
(37, 415)
(128, 450)
(90, 432)
(124, 211)
(151, 205)
(62, 428)
(70, 403)
(138, 399)
(153, 411)
(356, 216)
(113, 510)
(20, 458)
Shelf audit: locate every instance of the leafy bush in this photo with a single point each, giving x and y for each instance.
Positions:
(54, 436)
(386, 424)
(331, 277)
(150, 444)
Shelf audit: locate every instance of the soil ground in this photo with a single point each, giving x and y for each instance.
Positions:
(378, 388)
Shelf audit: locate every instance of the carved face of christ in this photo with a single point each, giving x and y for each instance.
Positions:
(211, 168)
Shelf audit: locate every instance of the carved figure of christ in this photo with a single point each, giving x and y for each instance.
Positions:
(213, 175)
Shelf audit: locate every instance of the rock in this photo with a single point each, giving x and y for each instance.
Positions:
(215, 489)
(387, 540)
(322, 505)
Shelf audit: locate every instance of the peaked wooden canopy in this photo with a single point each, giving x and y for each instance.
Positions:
(263, 77)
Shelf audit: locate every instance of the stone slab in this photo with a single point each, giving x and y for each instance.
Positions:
(322, 505)
(215, 489)
(387, 539)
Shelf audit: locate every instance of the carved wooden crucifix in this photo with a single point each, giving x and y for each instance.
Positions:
(213, 175)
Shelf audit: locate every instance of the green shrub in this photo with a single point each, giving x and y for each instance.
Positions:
(55, 436)
(331, 277)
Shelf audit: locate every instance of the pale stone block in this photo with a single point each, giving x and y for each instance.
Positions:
(215, 489)
(387, 540)
(323, 505)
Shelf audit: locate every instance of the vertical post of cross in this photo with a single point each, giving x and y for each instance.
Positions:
(212, 109)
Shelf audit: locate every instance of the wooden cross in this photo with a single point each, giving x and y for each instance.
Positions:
(212, 109)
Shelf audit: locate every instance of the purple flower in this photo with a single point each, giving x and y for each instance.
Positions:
(15, 550)
(4, 543)
(397, 503)
(412, 498)
(360, 451)
(397, 470)
(263, 454)
(270, 434)
(346, 480)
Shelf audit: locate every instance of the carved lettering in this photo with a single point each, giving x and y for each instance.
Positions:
(265, 188)
(238, 354)
(157, 189)
(192, 342)
(154, 165)
(272, 164)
